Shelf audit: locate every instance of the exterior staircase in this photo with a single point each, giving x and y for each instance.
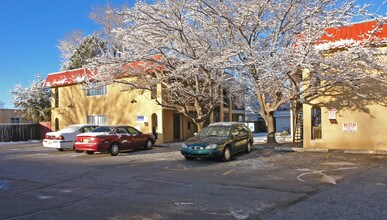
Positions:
(298, 127)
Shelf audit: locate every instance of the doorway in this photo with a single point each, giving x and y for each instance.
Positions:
(154, 125)
(176, 126)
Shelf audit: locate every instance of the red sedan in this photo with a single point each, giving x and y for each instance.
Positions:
(113, 139)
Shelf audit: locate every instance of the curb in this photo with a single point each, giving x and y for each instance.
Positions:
(366, 152)
(301, 150)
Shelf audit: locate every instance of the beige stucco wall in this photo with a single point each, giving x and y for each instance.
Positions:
(167, 129)
(120, 107)
(7, 114)
(368, 112)
(370, 133)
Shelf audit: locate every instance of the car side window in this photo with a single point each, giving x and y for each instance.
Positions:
(133, 131)
(121, 130)
(242, 131)
(234, 131)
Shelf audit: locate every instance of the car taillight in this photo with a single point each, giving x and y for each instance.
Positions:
(60, 137)
(95, 140)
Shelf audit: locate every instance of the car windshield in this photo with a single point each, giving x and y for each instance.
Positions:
(70, 129)
(107, 129)
(221, 131)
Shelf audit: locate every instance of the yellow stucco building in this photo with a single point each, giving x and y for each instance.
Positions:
(348, 121)
(109, 105)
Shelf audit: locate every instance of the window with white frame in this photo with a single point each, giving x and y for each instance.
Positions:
(97, 119)
(95, 90)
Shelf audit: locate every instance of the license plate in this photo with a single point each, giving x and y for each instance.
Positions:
(85, 140)
(49, 142)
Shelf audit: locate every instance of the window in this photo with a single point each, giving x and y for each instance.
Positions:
(121, 130)
(15, 120)
(96, 90)
(97, 119)
(316, 123)
(56, 97)
(56, 124)
(133, 131)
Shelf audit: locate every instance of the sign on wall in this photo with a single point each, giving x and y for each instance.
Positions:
(349, 127)
(332, 114)
(140, 118)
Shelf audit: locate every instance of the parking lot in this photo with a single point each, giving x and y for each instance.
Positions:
(39, 183)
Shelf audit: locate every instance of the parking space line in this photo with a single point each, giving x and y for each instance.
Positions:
(228, 172)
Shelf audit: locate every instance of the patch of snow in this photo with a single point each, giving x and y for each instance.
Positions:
(239, 214)
(184, 203)
(4, 184)
(19, 142)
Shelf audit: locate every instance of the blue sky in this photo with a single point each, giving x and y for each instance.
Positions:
(31, 30)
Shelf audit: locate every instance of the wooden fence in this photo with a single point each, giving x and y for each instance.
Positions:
(19, 132)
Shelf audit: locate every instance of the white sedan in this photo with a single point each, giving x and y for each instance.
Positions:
(65, 138)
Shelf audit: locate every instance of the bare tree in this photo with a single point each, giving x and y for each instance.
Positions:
(182, 51)
(68, 47)
(33, 101)
(196, 47)
(275, 41)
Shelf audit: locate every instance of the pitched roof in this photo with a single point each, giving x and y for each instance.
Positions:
(353, 34)
(68, 77)
(71, 77)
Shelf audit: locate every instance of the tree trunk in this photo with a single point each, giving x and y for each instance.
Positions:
(200, 126)
(268, 117)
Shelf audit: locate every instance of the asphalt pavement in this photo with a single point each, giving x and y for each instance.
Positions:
(40, 183)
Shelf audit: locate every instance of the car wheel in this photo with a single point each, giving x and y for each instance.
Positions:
(114, 149)
(248, 147)
(148, 144)
(60, 149)
(90, 152)
(188, 158)
(226, 154)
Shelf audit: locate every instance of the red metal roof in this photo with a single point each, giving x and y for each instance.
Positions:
(66, 77)
(76, 76)
(358, 32)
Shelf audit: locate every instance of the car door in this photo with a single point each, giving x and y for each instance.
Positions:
(137, 139)
(241, 139)
(123, 137)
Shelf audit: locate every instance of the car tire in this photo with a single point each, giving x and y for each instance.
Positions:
(148, 144)
(90, 152)
(188, 158)
(60, 149)
(114, 149)
(226, 156)
(248, 147)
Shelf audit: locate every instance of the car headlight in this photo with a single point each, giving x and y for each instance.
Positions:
(211, 146)
(183, 145)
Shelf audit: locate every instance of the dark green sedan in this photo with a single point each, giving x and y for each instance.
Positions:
(219, 140)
